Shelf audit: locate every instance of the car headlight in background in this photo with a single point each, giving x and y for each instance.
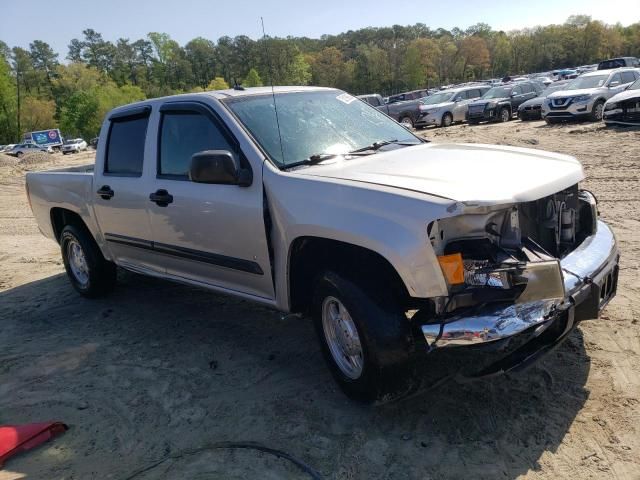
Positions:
(582, 98)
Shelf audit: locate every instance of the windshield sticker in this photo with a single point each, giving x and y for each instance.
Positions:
(345, 98)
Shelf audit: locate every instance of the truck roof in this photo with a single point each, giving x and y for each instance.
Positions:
(222, 94)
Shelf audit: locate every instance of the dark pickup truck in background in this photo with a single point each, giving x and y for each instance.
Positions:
(403, 108)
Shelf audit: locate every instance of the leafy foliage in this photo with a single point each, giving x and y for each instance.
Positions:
(102, 74)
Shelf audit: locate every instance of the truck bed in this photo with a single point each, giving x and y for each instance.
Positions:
(70, 188)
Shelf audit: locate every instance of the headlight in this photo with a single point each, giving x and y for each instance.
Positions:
(478, 273)
(610, 106)
(582, 98)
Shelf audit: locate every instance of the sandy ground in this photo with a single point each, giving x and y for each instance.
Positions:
(160, 370)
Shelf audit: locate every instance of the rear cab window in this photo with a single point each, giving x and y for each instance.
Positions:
(125, 143)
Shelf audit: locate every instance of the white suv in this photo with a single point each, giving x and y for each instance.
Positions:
(74, 145)
(585, 96)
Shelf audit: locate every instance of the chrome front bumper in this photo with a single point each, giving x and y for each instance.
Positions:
(593, 265)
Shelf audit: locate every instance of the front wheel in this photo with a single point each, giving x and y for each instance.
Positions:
(19, 154)
(597, 111)
(89, 272)
(406, 122)
(447, 120)
(366, 343)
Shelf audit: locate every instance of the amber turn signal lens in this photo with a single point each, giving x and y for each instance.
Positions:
(452, 267)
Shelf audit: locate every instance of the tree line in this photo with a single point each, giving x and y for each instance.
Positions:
(96, 75)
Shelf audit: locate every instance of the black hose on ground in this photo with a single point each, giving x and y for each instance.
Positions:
(231, 445)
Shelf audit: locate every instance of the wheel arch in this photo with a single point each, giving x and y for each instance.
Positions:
(308, 256)
(61, 217)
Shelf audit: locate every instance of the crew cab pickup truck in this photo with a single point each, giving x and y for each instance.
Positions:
(416, 261)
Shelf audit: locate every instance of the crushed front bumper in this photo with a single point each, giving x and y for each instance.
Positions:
(590, 276)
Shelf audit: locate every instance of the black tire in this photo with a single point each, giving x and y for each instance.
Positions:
(406, 121)
(523, 116)
(100, 272)
(551, 121)
(19, 154)
(388, 370)
(447, 120)
(597, 111)
(505, 115)
(64, 153)
(473, 122)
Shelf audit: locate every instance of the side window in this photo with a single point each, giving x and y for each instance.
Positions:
(474, 94)
(526, 88)
(616, 78)
(517, 90)
(125, 146)
(182, 134)
(373, 101)
(628, 77)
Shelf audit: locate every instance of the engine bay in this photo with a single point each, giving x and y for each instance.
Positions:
(511, 253)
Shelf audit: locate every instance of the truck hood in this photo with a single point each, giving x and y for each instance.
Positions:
(472, 173)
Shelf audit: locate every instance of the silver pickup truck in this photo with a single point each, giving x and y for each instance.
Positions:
(417, 261)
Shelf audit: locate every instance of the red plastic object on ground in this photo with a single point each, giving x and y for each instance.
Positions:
(18, 438)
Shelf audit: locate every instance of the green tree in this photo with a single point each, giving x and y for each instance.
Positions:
(252, 79)
(8, 104)
(327, 66)
(217, 83)
(37, 114)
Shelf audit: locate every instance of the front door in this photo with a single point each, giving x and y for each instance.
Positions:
(212, 234)
(120, 198)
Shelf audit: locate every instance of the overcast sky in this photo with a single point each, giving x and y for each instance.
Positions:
(58, 21)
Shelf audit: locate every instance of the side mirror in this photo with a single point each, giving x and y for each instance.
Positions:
(614, 84)
(219, 167)
(513, 94)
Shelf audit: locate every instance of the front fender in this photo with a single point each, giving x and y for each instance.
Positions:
(388, 221)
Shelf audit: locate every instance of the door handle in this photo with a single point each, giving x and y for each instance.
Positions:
(161, 197)
(105, 192)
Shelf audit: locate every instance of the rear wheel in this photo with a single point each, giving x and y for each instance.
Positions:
(597, 111)
(505, 115)
(447, 120)
(89, 272)
(19, 154)
(407, 122)
(366, 340)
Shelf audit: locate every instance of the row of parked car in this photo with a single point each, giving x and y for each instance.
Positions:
(72, 145)
(609, 94)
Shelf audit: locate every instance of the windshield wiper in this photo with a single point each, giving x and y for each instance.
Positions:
(321, 157)
(378, 145)
(360, 152)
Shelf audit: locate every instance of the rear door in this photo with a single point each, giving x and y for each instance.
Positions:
(120, 195)
(208, 233)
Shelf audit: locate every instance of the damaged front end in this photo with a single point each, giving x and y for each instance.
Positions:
(516, 271)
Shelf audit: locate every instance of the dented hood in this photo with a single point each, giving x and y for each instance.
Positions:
(473, 173)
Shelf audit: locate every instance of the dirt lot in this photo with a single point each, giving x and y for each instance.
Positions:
(158, 369)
